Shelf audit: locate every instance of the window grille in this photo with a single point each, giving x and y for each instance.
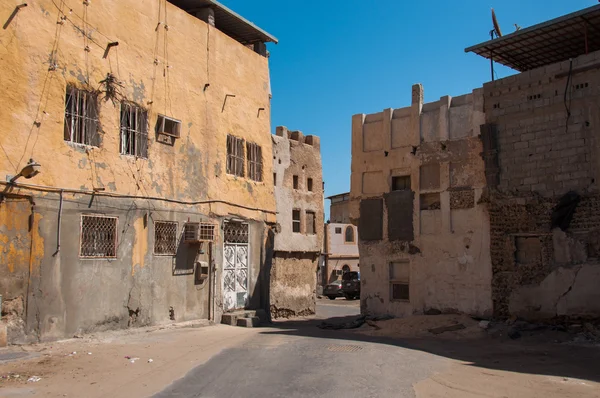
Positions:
(134, 130)
(235, 156)
(338, 230)
(296, 221)
(98, 236)
(310, 222)
(254, 153)
(207, 232)
(165, 238)
(349, 234)
(235, 232)
(81, 117)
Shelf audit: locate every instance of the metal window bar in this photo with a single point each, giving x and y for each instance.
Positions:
(235, 232)
(207, 232)
(254, 152)
(81, 117)
(98, 237)
(134, 130)
(165, 237)
(235, 156)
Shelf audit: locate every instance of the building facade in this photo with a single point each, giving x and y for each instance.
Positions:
(298, 179)
(154, 202)
(417, 177)
(340, 253)
(542, 148)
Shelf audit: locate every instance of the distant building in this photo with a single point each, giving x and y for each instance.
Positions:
(340, 245)
(298, 180)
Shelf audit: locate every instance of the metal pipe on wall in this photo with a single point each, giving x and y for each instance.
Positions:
(60, 206)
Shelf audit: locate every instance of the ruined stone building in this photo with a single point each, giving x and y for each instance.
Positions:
(417, 176)
(488, 203)
(542, 144)
(340, 243)
(298, 180)
(149, 124)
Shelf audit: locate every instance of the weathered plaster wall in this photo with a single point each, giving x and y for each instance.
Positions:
(184, 72)
(190, 55)
(541, 272)
(442, 233)
(293, 284)
(295, 263)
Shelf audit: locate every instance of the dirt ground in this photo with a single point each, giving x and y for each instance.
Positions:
(117, 364)
(487, 362)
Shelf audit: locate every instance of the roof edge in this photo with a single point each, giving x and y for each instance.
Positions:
(533, 28)
(234, 14)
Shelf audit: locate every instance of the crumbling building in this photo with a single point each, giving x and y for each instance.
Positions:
(298, 180)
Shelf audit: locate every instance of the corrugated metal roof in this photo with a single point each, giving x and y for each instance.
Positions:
(546, 43)
(228, 21)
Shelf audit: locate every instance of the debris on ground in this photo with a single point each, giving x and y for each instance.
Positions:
(150, 360)
(34, 379)
(352, 324)
(449, 328)
(484, 324)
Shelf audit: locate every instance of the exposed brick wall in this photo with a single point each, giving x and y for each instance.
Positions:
(515, 220)
(462, 199)
(541, 148)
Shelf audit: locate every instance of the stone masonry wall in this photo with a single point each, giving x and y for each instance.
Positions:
(545, 125)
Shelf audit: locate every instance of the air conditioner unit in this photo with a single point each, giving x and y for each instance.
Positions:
(201, 271)
(194, 232)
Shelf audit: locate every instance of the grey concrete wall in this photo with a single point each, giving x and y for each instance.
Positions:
(437, 146)
(70, 295)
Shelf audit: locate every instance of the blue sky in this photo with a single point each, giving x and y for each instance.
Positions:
(337, 58)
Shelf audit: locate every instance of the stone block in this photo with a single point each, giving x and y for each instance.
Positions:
(229, 319)
(249, 322)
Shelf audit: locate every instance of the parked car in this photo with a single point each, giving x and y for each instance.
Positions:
(351, 285)
(333, 290)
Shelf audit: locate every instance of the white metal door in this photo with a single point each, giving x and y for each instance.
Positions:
(235, 266)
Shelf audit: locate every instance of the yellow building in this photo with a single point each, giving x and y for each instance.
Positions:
(149, 124)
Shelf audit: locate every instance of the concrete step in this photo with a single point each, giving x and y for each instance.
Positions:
(233, 318)
(251, 322)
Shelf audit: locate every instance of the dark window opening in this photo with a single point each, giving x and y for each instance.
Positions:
(255, 163)
(235, 156)
(338, 230)
(400, 183)
(81, 117)
(134, 130)
(349, 234)
(296, 221)
(309, 184)
(295, 182)
(310, 222)
(274, 179)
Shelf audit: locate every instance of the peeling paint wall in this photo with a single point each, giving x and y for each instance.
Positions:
(541, 272)
(440, 232)
(184, 72)
(298, 177)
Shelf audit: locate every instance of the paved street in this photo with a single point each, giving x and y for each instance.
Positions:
(280, 362)
(294, 358)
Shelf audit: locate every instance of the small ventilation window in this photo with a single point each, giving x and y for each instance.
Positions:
(309, 184)
(400, 183)
(295, 182)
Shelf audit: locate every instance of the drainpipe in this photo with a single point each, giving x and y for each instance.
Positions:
(60, 206)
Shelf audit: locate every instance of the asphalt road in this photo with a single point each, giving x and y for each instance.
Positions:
(297, 359)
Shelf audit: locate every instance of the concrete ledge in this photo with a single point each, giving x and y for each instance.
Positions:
(229, 319)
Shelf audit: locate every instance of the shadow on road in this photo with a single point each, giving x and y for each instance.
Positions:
(552, 359)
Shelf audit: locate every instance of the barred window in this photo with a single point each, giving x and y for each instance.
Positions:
(134, 130)
(165, 238)
(98, 236)
(255, 164)
(400, 280)
(81, 117)
(235, 156)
